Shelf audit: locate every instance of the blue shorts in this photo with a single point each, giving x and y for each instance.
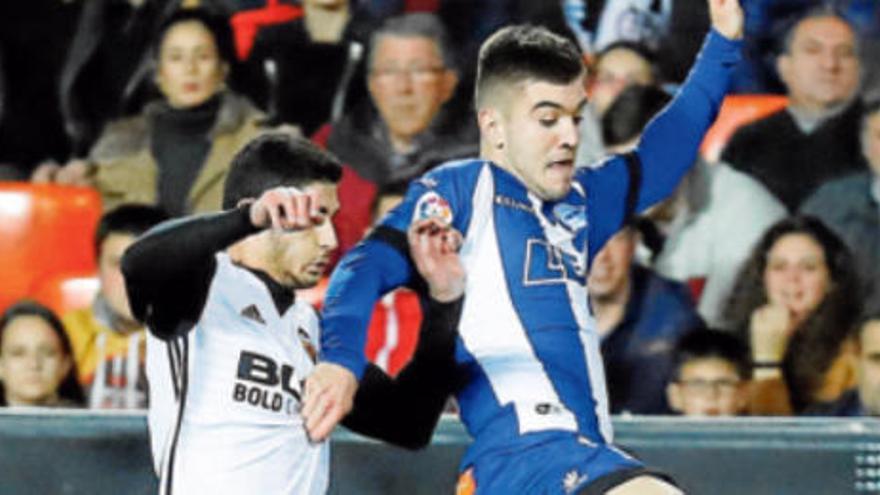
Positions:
(564, 465)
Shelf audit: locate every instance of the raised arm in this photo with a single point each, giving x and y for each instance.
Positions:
(168, 271)
(428, 379)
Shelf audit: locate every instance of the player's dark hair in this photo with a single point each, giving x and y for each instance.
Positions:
(517, 53)
(708, 344)
(630, 112)
(216, 24)
(132, 219)
(277, 159)
(69, 388)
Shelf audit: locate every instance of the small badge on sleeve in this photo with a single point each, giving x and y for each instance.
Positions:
(432, 205)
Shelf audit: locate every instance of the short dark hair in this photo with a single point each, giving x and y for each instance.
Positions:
(132, 219)
(633, 108)
(217, 25)
(517, 53)
(708, 344)
(277, 159)
(69, 388)
(416, 25)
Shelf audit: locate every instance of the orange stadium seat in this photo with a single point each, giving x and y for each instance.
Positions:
(247, 23)
(44, 230)
(65, 292)
(737, 110)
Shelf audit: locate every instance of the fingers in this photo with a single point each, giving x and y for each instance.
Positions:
(287, 208)
(329, 395)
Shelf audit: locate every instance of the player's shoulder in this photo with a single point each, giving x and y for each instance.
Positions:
(456, 173)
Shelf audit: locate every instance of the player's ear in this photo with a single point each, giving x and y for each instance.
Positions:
(491, 127)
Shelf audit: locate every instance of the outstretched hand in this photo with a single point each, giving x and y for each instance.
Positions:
(286, 208)
(727, 18)
(434, 249)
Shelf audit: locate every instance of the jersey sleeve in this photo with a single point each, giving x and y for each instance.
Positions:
(405, 410)
(380, 264)
(668, 147)
(168, 271)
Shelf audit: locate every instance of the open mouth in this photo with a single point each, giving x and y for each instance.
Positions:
(567, 163)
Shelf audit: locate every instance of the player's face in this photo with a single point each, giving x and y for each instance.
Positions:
(409, 83)
(299, 259)
(707, 387)
(190, 69)
(539, 134)
(32, 361)
(610, 272)
(821, 68)
(797, 275)
(869, 367)
(871, 142)
(110, 273)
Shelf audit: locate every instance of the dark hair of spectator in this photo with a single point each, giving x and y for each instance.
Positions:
(217, 25)
(818, 12)
(640, 49)
(709, 344)
(816, 343)
(417, 25)
(633, 108)
(277, 159)
(131, 219)
(69, 389)
(517, 53)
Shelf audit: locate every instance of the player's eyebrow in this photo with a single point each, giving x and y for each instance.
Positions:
(557, 106)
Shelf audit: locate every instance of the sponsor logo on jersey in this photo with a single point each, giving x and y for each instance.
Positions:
(512, 203)
(264, 383)
(432, 205)
(253, 313)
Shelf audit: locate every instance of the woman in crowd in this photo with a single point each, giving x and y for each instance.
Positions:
(36, 362)
(796, 300)
(176, 153)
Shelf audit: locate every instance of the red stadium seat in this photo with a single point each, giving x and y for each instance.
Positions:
(67, 291)
(44, 230)
(247, 23)
(737, 110)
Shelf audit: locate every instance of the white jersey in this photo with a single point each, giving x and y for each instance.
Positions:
(225, 398)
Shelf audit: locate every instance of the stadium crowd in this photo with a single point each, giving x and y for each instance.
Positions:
(755, 289)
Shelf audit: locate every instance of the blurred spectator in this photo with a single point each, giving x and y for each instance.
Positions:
(640, 316)
(643, 21)
(410, 129)
(795, 300)
(176, 153)
(710, 375)
(108, 343)
(310, 70)
(615, 68)
(864, 400)
(36, 361)
(705, 231)
(34, 39)
(851, 207)
(814, 139)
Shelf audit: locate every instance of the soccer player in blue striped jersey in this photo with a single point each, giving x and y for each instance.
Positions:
(534, 397)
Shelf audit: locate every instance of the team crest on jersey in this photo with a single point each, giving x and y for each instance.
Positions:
(572, 216)
(432, 205)
(306, 342)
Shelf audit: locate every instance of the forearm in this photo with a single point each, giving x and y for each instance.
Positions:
(405, 410)
(669, 145)
(365, 273)
(168, 270)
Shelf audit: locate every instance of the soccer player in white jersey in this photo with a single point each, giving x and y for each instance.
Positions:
(230, 345)
(534, 397)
